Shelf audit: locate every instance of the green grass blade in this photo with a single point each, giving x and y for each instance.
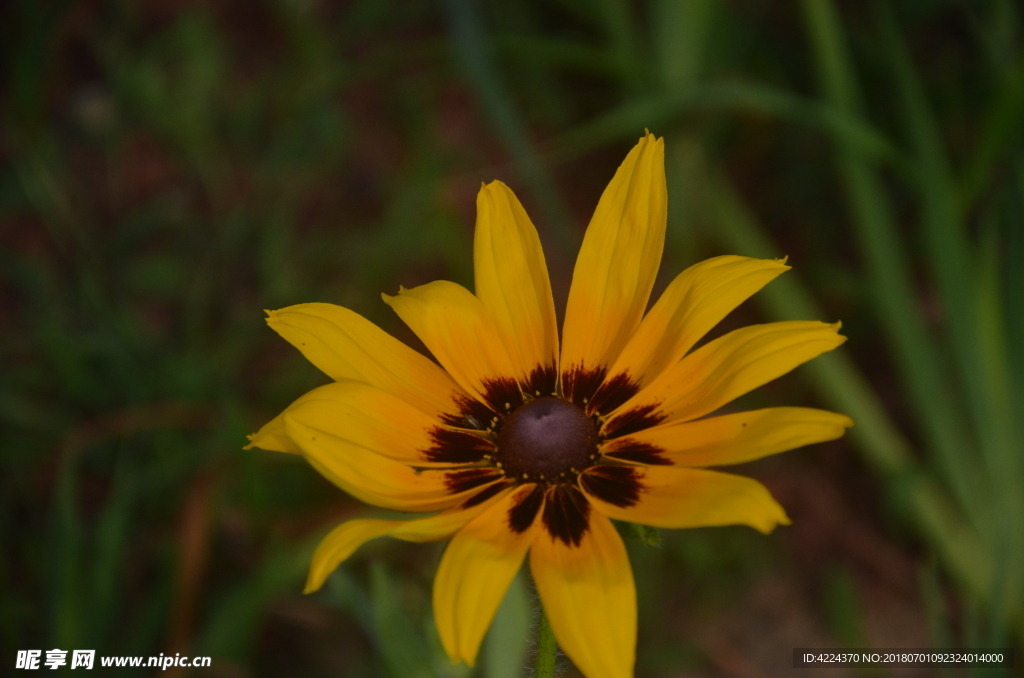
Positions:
(1013, 285)
(65, 559)
(890, 272)
(731, 98)
(229, 632)
(999, 131)
(971, 299)
(473, 52)
(842, 386)
(616, 17)
(682, 30)
(949, 249)
(109, 551)
(509, 637)
(934, 605)
(556, 52)
(401, 647)
(1006, 456)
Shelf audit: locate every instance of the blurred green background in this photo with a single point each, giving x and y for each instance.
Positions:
(170, 168)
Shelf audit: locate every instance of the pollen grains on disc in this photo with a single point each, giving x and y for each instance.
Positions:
(546, 440)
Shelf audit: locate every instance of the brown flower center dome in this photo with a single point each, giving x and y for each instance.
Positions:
(547, 439)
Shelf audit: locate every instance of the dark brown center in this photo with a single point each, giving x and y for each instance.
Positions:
(547, 439)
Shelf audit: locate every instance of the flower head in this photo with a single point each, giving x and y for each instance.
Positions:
(523, 447)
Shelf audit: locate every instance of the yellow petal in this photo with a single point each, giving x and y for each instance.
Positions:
(681, 497)
(618, 261)
(512, 278)
(692, 304)
(273, 438)
(342, 541)
(732, 438)
(342, 455)
(458, 330)
(726, 368)
(476, 570)
(589, 597)
(371, 418)
(345, 345)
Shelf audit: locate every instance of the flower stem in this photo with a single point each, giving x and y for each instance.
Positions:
(547, 648)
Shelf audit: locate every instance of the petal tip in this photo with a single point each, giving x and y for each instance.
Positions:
(279, 317)
(769, 525)
(487, 195)
(447, 643)
(836, 327)
(389, 299)
(314, 582)
(494, 196)
(650, 137)
(781, 517)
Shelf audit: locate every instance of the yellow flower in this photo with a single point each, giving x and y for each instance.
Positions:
(525, 449)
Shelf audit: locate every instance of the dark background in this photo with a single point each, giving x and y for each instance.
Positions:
(168, 169)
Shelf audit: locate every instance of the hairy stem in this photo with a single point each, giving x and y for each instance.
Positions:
(547, 648)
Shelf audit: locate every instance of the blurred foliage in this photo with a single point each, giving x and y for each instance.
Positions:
(170, 168)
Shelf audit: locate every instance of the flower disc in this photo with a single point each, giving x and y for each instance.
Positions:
(547, 439)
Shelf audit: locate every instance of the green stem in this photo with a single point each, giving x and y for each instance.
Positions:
(547, 648)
